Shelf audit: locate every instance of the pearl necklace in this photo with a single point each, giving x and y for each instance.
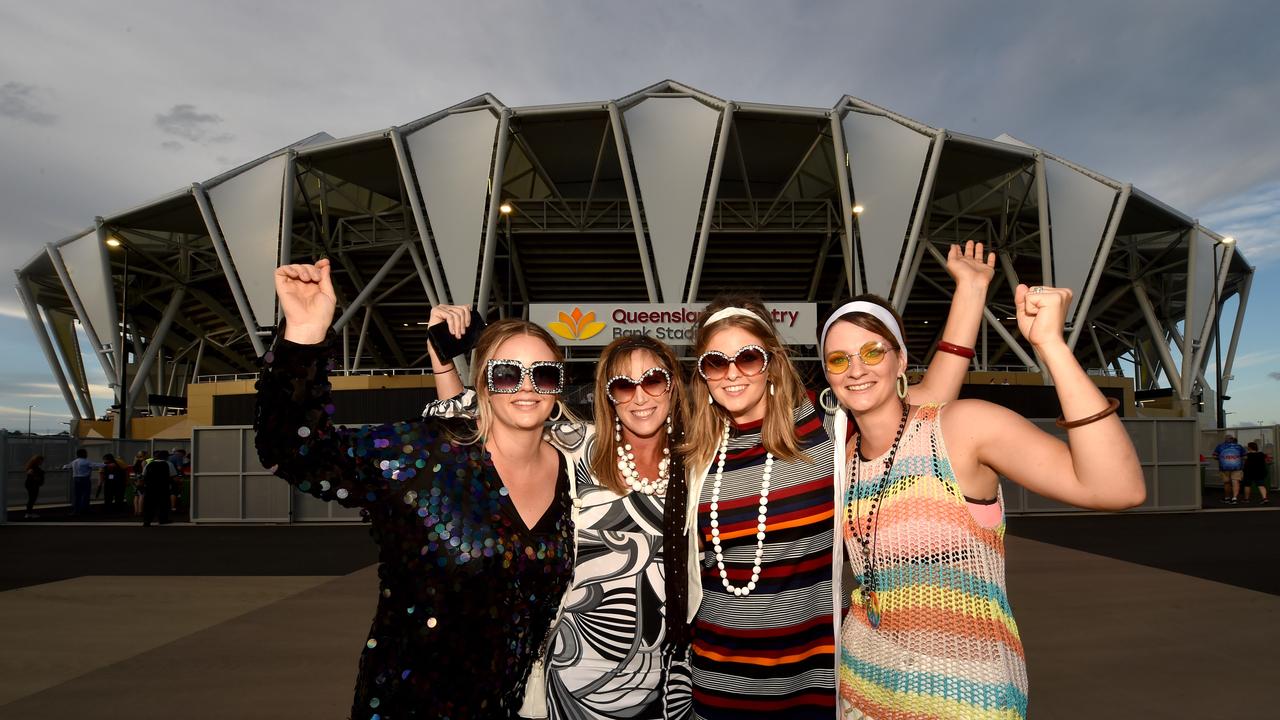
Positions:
(631, 475)
(627, 464)
(760, 527)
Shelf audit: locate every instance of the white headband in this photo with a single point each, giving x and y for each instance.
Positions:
(869, 308)
(719, 315)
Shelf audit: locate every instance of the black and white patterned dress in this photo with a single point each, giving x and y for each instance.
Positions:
(606, 654)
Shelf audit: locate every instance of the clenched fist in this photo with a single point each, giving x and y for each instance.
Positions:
(307, 301)
(1042, 313)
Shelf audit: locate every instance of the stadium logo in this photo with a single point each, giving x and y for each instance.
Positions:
(576, 326)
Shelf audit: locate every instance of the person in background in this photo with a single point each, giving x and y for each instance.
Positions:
(177, 459)
(139, 464)
(1255, 473)
(1230, 457)
(81, 481)
(157, 479)
(111, 480)
(35, 479)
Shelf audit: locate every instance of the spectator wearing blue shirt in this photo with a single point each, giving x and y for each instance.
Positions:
(81, 481)
(1230, 457)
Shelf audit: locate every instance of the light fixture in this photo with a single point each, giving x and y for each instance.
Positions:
(1228, 240)
(857, 209)
(505, 208)
(113, 241)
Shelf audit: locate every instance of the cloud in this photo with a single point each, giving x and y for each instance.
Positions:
(188, 123)
(12, 311)
(171, 145)
(1274, 375)
(21, 102)
(1253, 218)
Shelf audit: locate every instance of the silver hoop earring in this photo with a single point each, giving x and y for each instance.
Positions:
(901, 386)
(827, 399)
(558, 412)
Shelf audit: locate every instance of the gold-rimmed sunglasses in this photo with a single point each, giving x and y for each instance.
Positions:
(871, 353)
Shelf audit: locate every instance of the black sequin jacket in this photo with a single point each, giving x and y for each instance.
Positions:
(467, 591)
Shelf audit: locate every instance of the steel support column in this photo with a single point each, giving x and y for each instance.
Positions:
(33, 315)
(713, 190)
(228, 268)
(491, 222)
(902, 284)
(156, 346)
(629, 184)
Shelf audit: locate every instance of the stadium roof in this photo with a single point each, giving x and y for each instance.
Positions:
(667, 194)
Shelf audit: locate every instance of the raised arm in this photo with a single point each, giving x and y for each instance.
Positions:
(296, 438)
(448, 383)
(1098, 467)
(946, 372)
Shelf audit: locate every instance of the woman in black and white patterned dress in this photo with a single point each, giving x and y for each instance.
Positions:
(614, 652)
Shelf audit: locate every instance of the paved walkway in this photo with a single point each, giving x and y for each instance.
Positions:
(267, 622)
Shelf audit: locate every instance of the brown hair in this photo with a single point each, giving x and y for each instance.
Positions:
(871, 322)
(778, 432)
(34, 462)
(613, 362)
(486, 345)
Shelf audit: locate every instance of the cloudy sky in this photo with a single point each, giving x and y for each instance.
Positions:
(102, 108)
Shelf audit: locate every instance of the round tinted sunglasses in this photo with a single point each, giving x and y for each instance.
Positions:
(655, 382)
(750, 360)
(505, 377)
(872, 352)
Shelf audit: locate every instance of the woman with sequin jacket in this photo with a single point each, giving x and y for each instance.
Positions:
(930, 633)
(474, 520)
(621, 647)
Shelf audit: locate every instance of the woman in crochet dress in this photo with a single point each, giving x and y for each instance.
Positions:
(930, 633)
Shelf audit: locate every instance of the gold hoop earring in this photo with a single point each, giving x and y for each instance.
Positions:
(901, 386)
(558, 412)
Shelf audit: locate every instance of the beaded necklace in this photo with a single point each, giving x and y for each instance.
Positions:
(744, 590)
(853, 506)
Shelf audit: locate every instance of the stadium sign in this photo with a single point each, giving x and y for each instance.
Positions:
(598, 324)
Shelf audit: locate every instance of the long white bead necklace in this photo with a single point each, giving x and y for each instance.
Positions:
(760, 527)
(631, 474)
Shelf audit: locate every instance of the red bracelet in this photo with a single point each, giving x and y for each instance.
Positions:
(954, 349)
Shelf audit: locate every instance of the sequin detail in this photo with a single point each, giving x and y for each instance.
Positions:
(467, 591)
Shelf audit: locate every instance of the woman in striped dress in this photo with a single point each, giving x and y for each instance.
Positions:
(930, 633)
(762, 512)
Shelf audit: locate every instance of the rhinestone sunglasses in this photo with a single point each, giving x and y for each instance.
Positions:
(506, 377)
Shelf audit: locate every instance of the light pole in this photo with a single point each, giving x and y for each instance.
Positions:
(122, 372)
(1220, 416)
(29, 420)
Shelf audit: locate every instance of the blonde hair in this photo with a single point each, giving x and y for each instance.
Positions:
(706, 419)
(487, 344)
(613, 361)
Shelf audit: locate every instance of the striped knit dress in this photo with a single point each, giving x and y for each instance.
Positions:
(947, 646)
(772, 653)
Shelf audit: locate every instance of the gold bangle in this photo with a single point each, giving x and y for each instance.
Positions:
(1112, 405)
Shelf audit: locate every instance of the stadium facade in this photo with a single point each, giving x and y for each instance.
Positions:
(650, 203)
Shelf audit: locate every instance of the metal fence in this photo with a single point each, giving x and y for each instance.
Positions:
(229, 485)
(58, 450)
(1167, 451)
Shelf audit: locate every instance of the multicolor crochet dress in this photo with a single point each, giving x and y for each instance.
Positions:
(946, 645)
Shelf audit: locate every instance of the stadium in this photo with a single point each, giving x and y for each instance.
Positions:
(602, 218)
